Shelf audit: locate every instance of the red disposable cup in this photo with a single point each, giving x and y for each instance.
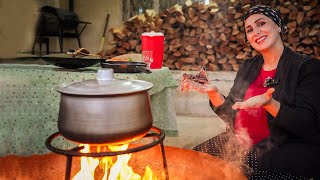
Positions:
(154, 41)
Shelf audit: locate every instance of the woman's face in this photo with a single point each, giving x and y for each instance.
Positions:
(262, 33)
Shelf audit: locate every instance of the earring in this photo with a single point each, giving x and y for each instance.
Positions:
(279, 31)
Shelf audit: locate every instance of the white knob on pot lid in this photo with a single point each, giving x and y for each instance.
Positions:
(105, 74)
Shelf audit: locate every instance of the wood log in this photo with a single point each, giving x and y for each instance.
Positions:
(187, 60)
(316, 50)
(211, 58)
(307, 51)
(121, 50)
(307, 41)
(230, 55)
(235, 32)
(205, 16)
(203, 62)
(203, 56)
(191, 13)
(213, 67)
(188, 23)
(186, 67)
(284, 10)
(181, 19)
(210, 51)
(193, 32)
(172, 20)
(226, 67)
(126, 45)
(235, 67)
(241, 55)
(196, 67)
(190, 48)
(314, 31)
(300, 17)
(178, 64)
(223, 37)
(138, 48)
(177, 54)
(193, 54)
(232, 61)
(293, 14)
(203, 24)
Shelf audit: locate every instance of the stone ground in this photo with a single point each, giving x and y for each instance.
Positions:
(193, 130)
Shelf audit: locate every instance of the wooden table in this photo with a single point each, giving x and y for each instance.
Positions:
(29, 103)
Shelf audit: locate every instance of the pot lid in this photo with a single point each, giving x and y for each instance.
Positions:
(104, 87)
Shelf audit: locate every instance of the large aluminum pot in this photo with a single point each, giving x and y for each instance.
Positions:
(105, 111)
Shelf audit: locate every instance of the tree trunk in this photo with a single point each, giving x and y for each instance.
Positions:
(127, 10)
(156, 6)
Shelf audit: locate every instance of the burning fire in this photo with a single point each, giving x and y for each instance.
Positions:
(120, 170)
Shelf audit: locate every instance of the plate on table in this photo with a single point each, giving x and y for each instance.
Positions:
(67, 61)
(125, 66)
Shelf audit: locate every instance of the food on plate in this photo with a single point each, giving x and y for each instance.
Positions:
(81, 52)
(201, 78)
(120, 59)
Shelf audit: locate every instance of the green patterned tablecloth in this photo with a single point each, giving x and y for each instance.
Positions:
(29, 103)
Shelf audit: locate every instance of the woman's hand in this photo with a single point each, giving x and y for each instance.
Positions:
(256, 101)
(187, 84)
(215, 97)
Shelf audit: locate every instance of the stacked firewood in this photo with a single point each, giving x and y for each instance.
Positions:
(212, 35)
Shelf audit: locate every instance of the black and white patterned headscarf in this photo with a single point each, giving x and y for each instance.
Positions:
(270, 13)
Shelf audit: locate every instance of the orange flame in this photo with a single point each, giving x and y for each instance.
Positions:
(120, 170)
(88, 166)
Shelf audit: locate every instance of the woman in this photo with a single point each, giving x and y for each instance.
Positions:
(273, 109)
